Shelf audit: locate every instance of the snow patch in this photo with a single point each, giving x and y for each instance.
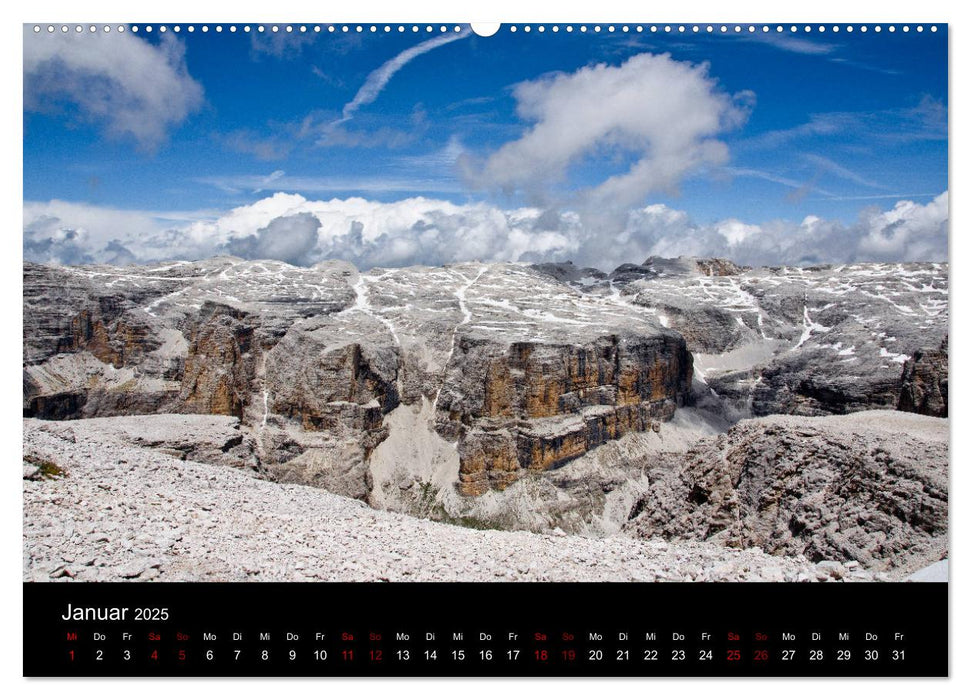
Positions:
(466, 317)
(893, 356)
(808, 326)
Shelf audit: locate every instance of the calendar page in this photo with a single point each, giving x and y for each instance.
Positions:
(433, 349)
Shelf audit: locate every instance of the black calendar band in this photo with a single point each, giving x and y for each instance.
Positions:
(480, 629)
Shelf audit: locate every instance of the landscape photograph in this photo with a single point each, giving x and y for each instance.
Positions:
(409, 303)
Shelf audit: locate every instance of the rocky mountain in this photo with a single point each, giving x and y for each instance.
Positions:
(120, 512)
(808, 341)
(870, 487)
(506, 396)
(524, 373)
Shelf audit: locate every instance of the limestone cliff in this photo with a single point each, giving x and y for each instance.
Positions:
(524, 374)
(532, 407)
(518, 370)
(816, 340)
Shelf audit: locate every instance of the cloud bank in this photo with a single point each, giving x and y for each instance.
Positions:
(433, 232)
(660, 113)
(131, 88)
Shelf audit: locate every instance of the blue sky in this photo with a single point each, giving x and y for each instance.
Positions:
(801, 124)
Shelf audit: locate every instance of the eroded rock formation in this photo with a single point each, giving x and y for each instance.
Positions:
(818, 340)
(524, 374)
(870, 488)
(533, 407)
(925, 382)
(545, 397)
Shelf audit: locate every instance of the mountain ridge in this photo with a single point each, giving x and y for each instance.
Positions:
(508, 396)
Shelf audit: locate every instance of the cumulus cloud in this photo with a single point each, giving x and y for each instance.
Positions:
(132, 88)
(70, 233)
(665, 113)
(426, 231)
(909, 231)
(47, 241)
(287, 238)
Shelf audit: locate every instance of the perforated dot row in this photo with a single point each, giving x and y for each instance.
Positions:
(414, 28)
(713, 29)
(273, 28)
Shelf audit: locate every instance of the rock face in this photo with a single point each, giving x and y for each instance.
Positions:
(870, 488)
(533, 407)
(925, 382)
(103, 341)
(220, 363)
(120, 512)
(523, 373)
(719, 267)
(591, 495)
(807, 341)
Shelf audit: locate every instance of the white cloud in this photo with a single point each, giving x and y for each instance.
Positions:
(794, 44)
(65, 232)
(266, 181)
(379, 77)
(825, 164)
(909, 231)
(665, 113)
(132, 88)
(280, 44)
(287, 238)
(735, 232)
(419, 230)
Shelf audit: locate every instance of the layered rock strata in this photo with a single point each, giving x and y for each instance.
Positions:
(529, 407)
(869, 488)
(817, 340)
(523, 373)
